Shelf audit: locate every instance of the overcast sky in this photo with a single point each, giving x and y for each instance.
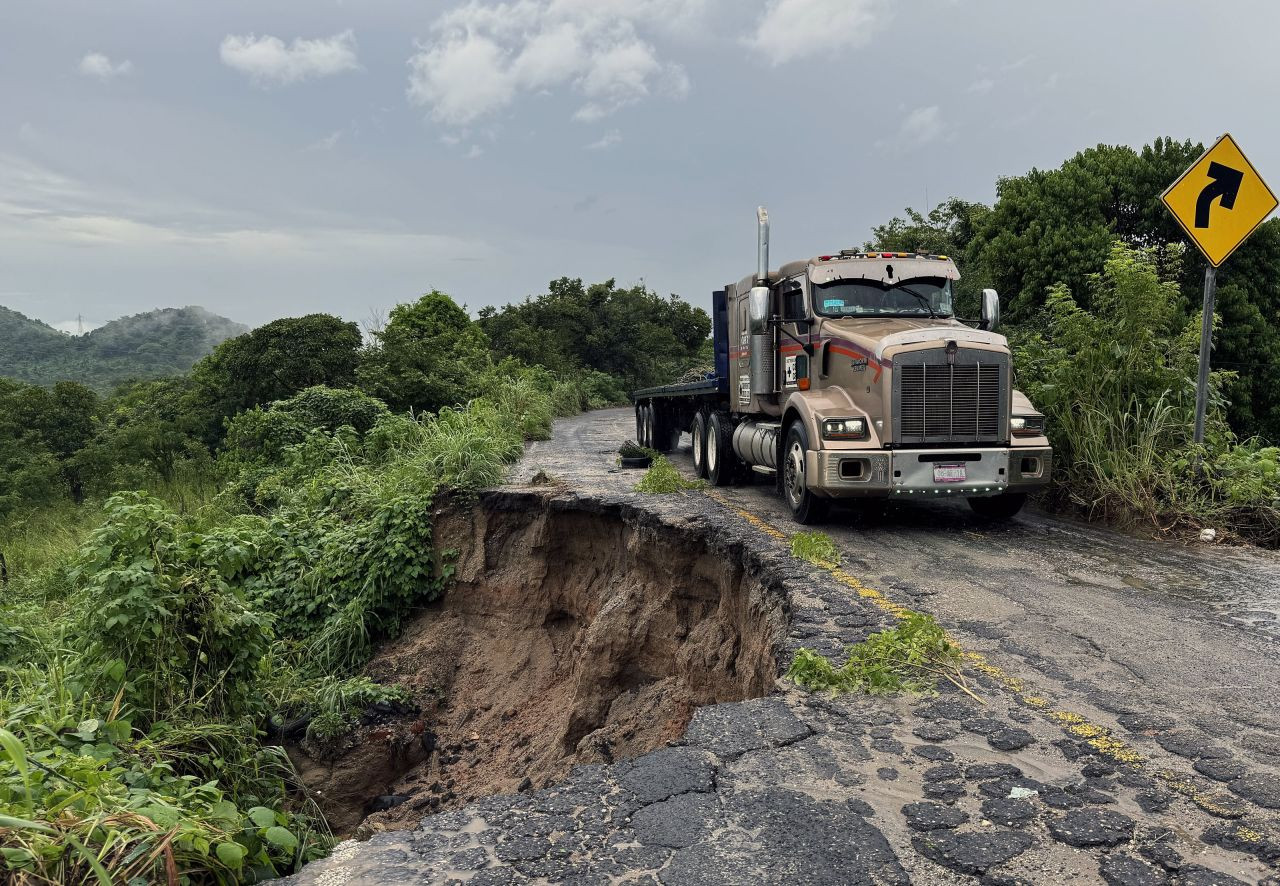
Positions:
(267, 159)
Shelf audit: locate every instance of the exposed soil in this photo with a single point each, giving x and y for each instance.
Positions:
(569, 636)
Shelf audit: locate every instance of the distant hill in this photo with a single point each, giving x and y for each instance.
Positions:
(157, 343)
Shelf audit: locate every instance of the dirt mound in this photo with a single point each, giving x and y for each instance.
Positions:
(570, 636)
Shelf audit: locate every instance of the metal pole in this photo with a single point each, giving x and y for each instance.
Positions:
(1206, 339)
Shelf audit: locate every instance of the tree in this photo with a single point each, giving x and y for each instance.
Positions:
(273, 362)
(428, 356)
(1057, 226)
(634, 335)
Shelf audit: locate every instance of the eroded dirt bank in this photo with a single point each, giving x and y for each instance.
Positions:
(571, 635)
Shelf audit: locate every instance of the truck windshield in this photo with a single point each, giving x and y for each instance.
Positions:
(919, 296)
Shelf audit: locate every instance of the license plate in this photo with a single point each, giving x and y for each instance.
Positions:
(948, 474)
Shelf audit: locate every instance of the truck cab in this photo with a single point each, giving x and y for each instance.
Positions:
(848, 376)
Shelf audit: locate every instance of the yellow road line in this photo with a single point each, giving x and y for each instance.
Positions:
(1099, 738)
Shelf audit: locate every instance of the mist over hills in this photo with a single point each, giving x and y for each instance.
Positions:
(156, 343)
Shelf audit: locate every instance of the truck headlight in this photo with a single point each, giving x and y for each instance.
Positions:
(1027, 425)
(844, 428)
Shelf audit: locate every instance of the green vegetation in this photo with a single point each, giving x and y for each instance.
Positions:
(193, 564)
(910, 657)
(616, 340)
(816, 547)
(662, 478)
(148, 345)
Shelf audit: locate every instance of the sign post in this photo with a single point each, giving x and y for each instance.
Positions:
(1222, 176)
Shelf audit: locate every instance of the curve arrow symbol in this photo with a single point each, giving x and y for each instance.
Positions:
(1224, 185)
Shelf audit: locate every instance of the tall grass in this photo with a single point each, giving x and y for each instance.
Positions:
(147, 644)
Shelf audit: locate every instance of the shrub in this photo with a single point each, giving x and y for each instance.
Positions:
(662, 478)
(816, 547)
(907, 658)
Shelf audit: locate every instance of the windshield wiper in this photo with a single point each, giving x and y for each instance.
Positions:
(924, 299)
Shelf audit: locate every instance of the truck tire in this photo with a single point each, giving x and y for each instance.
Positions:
(999, 507)
(647, 432)
(640, 423)
(698, 431)
(806, 508)
(666, 436)
(722, 461)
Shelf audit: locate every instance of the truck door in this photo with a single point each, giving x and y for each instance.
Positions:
(794, 310)
(741, 382)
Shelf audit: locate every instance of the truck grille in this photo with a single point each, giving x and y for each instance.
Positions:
(941, 403)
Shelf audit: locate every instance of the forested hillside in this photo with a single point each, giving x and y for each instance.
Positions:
(158, 343)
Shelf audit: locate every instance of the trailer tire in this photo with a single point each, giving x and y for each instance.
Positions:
(722, 461)
(647, 442)
(999, 507)
(698, 431)
(666, 436)
(806, 508)
(640, 424)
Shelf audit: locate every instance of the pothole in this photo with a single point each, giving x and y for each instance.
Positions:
(570, 635)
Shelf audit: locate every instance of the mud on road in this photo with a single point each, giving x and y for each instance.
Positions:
(1128, 729)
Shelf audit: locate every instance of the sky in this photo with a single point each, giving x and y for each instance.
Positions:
(268, 159)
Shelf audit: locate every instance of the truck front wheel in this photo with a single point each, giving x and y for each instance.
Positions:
(698, 433)
(806, 508)
(722, 462)
(999, 507)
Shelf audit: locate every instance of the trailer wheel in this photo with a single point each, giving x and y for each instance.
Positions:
(722, 461)
(806, 508)
(698, 432)
(999, 507)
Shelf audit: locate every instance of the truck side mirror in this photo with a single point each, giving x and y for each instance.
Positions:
(990, 310)
(758, 309)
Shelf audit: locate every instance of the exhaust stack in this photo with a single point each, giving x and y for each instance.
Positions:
(762, 264)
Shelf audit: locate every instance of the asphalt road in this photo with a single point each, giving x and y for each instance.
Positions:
(1125, 727)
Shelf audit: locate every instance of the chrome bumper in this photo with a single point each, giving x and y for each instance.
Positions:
(928, 472)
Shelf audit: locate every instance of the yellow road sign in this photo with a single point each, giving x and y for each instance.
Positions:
(1220, 200)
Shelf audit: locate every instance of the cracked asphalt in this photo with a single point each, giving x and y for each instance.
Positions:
(1127, 729)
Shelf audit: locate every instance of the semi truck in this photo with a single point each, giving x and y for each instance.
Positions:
(849, 376)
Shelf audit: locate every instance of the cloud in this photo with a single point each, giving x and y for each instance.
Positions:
(267, 59)
(608, 140)
(922, 126)
(76, 327)
(981, 87)
(791, 29)
(327, 143)
(95, 64)
(481, 59)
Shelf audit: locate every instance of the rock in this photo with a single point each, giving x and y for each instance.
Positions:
(935, 732)
(1125, 870)
(1008, 813)
(887, 773)
(1220, 770)
(933, 816)
(1208, 535)
(933, 752)
(525, 785)
(1010, 739)
(387, 801)
(1260, 788)
(982, 771)
(971, 853)
(1093, 827)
